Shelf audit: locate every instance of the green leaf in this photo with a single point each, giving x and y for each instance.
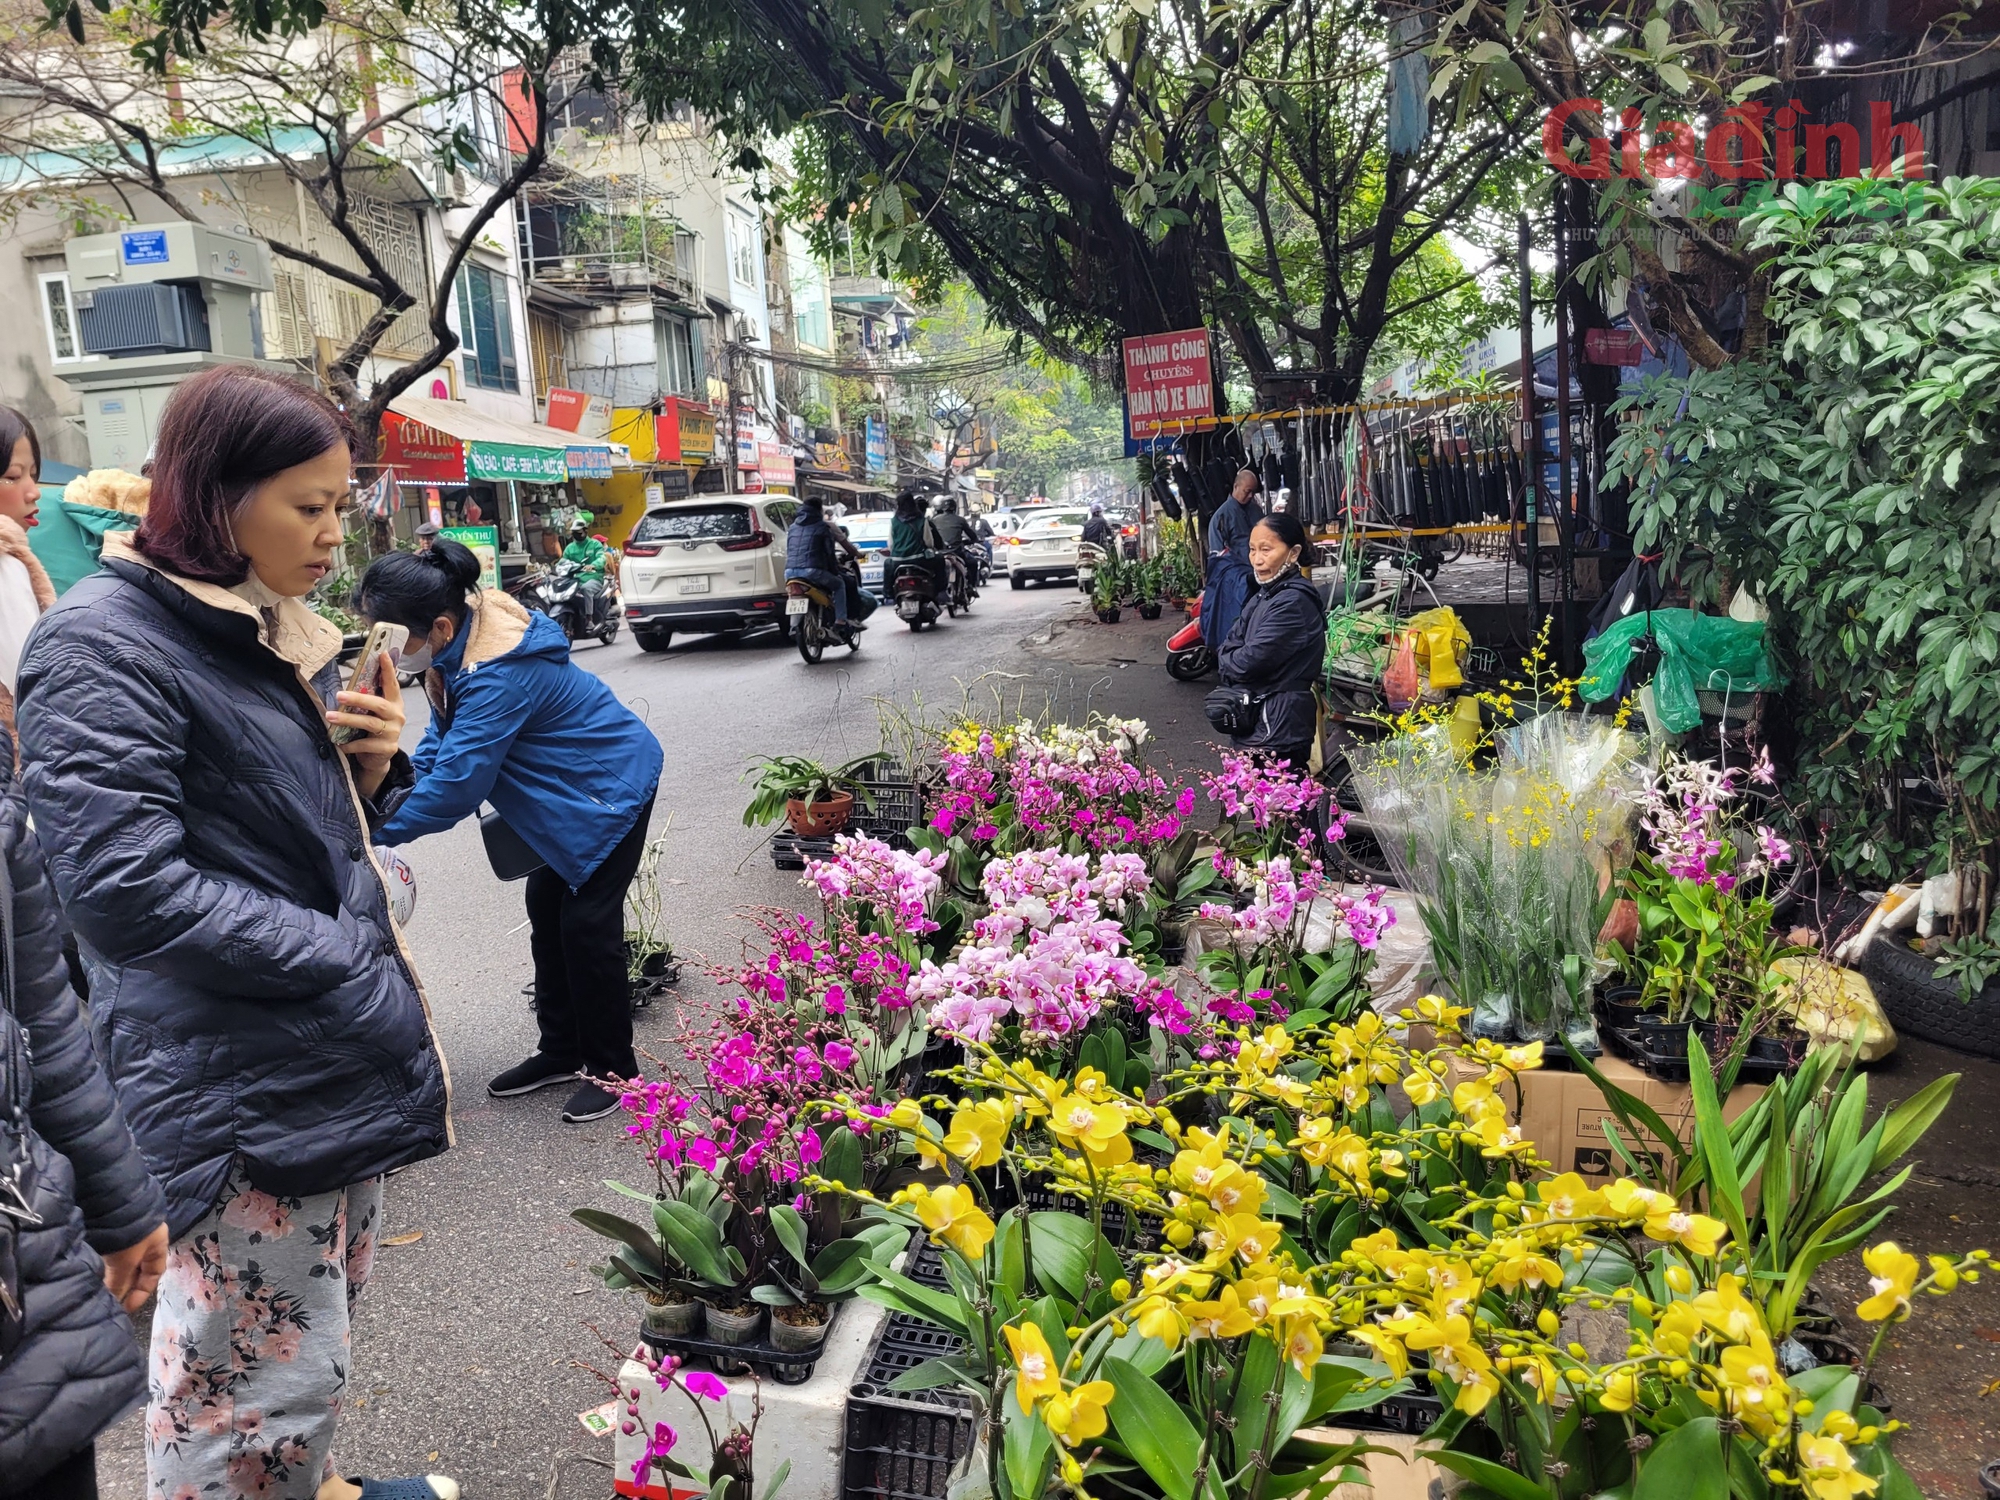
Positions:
(791, 1231)
(1062, 1245)
(778, 1480)
(1686, 1464)
(1154, 1428)
(840, 1158)
(1713, 1141)
(1490, 1476)
(1906, 1124)
(611, 1226)
(1025, 1447)
(694, 1239)
(931, 1374)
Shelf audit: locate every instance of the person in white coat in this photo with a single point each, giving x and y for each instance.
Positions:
(25, 590)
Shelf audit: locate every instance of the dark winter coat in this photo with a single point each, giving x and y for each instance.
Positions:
(77, 1369)
(1275, 648)
(249, 992)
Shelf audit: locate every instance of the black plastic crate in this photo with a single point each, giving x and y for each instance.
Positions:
(900, 1449)
(899, 807)
(906, 1445)
(1411, 1413)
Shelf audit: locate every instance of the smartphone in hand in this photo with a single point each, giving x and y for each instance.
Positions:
(385, 643)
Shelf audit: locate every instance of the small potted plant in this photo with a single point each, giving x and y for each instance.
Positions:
(1108, 588)
(653, 1261)
(805, 1288)
(815, 800)
(1148, 585)
(650, 966)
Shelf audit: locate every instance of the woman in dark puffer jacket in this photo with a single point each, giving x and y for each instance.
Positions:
(75, 1370)
(250, 994)
(1276, 645)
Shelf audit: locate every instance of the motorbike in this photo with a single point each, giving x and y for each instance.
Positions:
(1188, 656)
(1089, 557)
(963, 589)
(913, 586)
(558, 593)
(809, 611)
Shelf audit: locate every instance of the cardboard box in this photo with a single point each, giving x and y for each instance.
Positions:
(1564, 1114)
(1403, 1473)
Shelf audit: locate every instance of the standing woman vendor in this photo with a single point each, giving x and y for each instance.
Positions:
(572, 770)
(1277, 645)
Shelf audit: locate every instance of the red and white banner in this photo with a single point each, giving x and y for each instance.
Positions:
(776, 463)
(420, 453)
(1168, 381)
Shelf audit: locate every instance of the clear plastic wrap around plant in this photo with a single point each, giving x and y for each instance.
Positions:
(1509, 861)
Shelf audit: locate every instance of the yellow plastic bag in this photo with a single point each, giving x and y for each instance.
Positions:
(1442, 642)
(1833, 1006)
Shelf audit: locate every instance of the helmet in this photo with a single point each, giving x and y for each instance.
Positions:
(401, 881)
(581, 523)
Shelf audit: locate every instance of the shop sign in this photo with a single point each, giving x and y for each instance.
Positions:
(670, 484)
(753, 482)
(776, 464)
(500, 462)
(420, 453)
(830, 456)
(1613, 346)
(1168, 380)
(588, 463)
(685, 431)
(484, 543)
(878, 446)
(746, 438)
(566, 408)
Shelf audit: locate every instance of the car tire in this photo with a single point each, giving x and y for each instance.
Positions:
(1921, 1003)
(1017, 581)
(653, 640)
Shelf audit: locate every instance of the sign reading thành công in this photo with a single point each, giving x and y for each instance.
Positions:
(1168, 380)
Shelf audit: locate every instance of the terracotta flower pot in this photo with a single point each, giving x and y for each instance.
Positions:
(819, 819)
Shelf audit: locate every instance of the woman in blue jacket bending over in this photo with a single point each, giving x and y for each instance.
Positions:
(571, 769)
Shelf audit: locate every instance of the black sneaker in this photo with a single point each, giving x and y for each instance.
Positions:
(538, 1072)
(591, 1101)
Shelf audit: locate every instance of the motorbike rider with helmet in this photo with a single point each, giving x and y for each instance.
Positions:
(954, 538)
(814, 549)
(591, 558)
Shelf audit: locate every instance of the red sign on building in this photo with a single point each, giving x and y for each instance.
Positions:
(1613, 346)
(776, 463)
(1168, 381)
(420, 453)
(566, 408)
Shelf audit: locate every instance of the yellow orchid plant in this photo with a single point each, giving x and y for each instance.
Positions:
(1303, 1228)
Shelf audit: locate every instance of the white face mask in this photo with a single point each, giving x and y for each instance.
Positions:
(417, 660)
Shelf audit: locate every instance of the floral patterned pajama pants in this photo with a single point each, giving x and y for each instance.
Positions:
(250, 1343)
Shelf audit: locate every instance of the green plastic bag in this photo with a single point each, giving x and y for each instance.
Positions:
(1698, 653)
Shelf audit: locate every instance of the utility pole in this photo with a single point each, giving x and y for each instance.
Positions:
(1531, 431)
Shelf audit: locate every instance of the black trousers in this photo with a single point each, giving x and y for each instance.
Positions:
(583, 999)
(75, 1478)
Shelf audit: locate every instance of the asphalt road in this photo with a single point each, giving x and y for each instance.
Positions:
(469, 1340)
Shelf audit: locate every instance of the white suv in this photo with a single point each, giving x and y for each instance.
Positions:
(714, 565)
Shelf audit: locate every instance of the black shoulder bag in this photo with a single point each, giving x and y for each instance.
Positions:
(1233, 710)
(17, 1162)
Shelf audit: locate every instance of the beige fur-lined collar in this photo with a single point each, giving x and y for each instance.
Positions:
(14, 544)
(305, 639)
(496, 622)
